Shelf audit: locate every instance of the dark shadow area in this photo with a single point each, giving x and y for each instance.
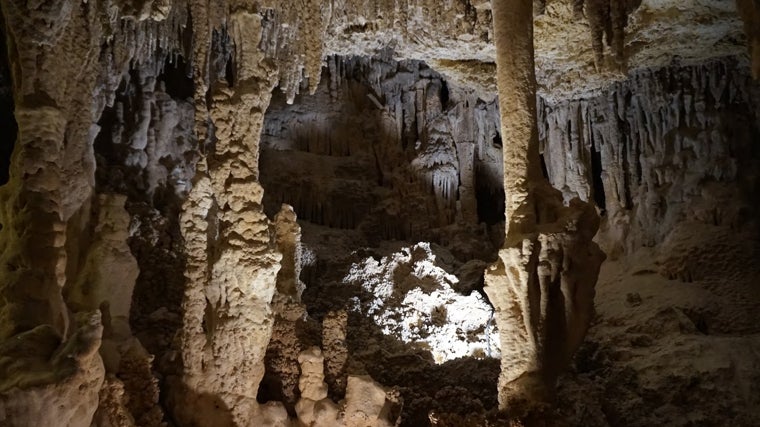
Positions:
(112, 173)
(207, 410)
(152, 168)
(497, 142)
(155, 242)
(345, 159)
(178, 78)
(544, 170)
(271, 390)
(463, 386)
(490, 198)
(8, 126)
(280, 380)
(444, 95)
(596, 176)
(222, 59)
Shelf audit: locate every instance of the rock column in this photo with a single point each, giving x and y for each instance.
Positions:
(542, 286)
(50, 370)
(232, 258)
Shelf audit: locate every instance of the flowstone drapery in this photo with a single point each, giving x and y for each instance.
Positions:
(542, 286)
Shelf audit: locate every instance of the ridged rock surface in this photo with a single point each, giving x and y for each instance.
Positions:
(143, 271)
(669, 144)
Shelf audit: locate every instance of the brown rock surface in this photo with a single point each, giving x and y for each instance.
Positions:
(149, 274)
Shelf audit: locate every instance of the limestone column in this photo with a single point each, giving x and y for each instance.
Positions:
(542, 286)
(232, 258)
(516, 82)
(50, 370)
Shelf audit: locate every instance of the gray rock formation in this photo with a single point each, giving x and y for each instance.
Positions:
(151, 276)
(670, 144)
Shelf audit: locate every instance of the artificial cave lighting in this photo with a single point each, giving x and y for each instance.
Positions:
(361, 214)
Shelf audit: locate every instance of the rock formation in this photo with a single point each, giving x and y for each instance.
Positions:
(542, 287)
(654, 139)
(279, 213)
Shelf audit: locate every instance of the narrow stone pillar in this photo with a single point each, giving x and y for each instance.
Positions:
(542, 286)
(33, 258)
(516, 82)
(280, 382)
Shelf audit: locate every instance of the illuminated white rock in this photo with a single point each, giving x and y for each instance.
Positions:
(414, 300)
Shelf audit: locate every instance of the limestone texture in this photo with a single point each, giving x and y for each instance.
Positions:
(542, 286)
(379, 213)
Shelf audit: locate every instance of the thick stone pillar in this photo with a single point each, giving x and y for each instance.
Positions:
(232, 258)
(50, 370)
(542, 287)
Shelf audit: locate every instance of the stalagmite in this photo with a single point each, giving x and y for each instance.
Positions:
(146, 279)
(282, 369)
(336, 354)
(231, 272)
(542, 287)
(314, 390)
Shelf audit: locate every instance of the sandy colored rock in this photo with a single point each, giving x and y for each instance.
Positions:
(145, 252)
(367, 404)
(542, 285)
(47, 382)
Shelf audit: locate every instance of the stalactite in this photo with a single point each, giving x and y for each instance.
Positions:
(607, 21)
(653, 132)
(69, 60)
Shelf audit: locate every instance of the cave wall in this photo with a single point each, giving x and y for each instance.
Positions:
(668, 145)
(392, 173)
(386, 147)
(695, 126)
(142, 119)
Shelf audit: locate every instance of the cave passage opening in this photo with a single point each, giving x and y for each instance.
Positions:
(490, 198)
(396, 207)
